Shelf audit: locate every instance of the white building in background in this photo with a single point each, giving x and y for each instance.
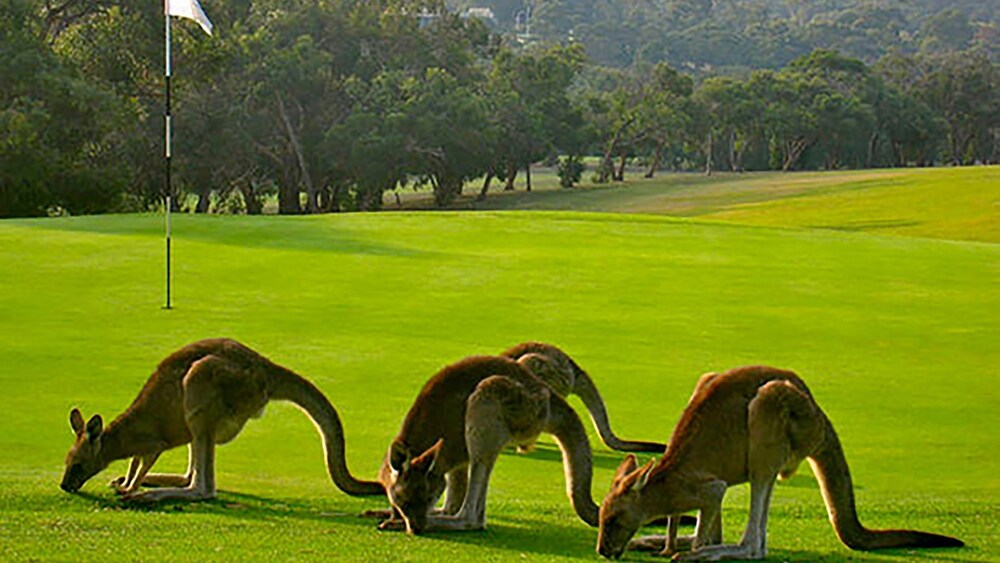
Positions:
(485, 14)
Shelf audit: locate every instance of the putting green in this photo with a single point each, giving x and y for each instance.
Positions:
(896, 337)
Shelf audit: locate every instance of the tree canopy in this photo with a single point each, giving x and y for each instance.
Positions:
(327, 106)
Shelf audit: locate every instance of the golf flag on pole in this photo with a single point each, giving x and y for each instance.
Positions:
(191, 10)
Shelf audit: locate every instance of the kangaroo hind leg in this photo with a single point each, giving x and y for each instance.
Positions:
(202, 483)
(172, 479)
(771, 425)
(456, 489)
(137, 471)
(212, 395)
(496, 402)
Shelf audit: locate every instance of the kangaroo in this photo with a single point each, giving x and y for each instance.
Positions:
(749, 424)
(451, 437)
(200, 395)
(565, 377)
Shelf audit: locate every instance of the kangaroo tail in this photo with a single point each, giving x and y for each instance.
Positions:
(591, 397)
(834, 477)
(565, 376)
(293, 387)
(565, 425)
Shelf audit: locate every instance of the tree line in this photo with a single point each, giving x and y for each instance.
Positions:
(328, 106)
(733, 35)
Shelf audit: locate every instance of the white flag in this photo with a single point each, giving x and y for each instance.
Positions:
(191, 10)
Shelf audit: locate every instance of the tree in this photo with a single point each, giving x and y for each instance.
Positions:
(963, 90)
(46, 166)
(663, 117)
(948, 30)
(442, 138)
(647, 106)
(836, 95)
(734, 116)
(533, 114)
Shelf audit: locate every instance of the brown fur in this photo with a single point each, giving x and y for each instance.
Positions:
(749, 424)
(564, 377)
(201, 395)
(451, 437)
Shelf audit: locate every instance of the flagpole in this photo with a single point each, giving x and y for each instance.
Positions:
(166, 123)
(191, 10)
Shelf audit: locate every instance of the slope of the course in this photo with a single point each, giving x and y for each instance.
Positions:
(948, 203)
(895, 336)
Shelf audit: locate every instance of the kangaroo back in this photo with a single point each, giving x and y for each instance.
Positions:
(831, 470)
(290, 386)
(565, 425)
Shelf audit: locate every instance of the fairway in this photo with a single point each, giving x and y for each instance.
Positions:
(947, 203)
(896, 337)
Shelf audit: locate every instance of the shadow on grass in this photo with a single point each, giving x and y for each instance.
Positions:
(517, 534)
(575, 539)
(245, 232)
(871, 225)
(939, 554)
(804, 481)
(239, 505)
(528, 536)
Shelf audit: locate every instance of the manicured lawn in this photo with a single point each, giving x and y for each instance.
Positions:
(896, 336)
(948, 203)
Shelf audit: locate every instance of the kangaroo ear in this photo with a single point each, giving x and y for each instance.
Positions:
(94, 427)
(636, 479)
(644, 474)
(425, 462)
(399, 455)
(627, 466)
(76, 421)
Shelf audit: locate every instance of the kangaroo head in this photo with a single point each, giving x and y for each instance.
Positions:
(558, 375)
(411, 491)
(621, 513)
(84, 459)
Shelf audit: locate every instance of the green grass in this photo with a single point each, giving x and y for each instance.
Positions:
(896, 337)
(948, 203)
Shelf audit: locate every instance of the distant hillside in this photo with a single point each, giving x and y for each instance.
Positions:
(731, 34)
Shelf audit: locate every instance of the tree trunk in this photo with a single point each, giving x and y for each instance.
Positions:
(203, 203)
(446, 189)
(619, 175)
(527, 176)
(335, 197)
(733, 156)
(293, 139)
(511, 175)
(486, 185)
(607, 163)
(288, 192)
(708, 154)
(897, 154)
(250, 200)
(872, 149)
(793, 150)
(653, 166)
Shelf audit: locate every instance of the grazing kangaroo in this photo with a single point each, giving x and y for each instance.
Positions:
(451, 437)
(200, 395)
(565, 377)
(748, 424)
